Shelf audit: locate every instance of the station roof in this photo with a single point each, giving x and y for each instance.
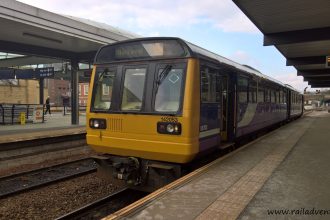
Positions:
(35, 32)
(299, 29)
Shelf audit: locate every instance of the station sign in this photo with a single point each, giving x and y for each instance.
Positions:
(45, 72)
(327, 62)
(26, 73)
(38, 114)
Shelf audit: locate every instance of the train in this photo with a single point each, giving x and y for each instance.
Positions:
(157, 104)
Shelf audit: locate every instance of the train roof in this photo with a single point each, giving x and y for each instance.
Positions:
(292, 88)
(191, 50)
(199, 51)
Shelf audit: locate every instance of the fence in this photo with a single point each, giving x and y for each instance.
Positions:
(10, 113)
(67, 109)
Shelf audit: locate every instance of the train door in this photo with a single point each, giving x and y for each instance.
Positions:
(224, 110)
(210, 107)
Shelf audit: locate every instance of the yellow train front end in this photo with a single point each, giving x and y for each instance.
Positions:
(143, 111)
(133, 134)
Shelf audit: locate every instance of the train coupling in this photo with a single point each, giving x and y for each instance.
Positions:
(126, 169)
(122, 168)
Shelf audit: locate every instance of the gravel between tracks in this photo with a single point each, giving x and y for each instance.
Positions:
(55, 200)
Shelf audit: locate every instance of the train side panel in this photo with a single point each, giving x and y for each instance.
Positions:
(255, 112)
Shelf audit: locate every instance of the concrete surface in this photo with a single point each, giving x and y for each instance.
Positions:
(286, 169)
(301, 183)
(54, 121)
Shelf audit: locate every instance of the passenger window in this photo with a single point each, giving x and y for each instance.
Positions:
(292, 99)
(252, 91)
(133, 89)
(267, 95)
(279, 95)
(272, 96)
(218, 88)
(261, 97)
(242, 90)
(208, 85)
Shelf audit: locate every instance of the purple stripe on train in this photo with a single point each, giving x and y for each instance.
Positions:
(255, 116)
(209, 142)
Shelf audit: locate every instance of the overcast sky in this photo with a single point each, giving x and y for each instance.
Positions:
(217, 25)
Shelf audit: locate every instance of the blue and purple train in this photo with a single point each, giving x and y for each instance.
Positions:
(156, 104)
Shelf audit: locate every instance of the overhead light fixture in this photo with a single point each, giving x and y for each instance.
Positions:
(42, 37)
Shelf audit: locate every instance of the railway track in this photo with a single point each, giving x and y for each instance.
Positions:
(106, 205)
(16, 151)
(13, 184)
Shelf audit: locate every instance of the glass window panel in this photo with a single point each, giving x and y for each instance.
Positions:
(252, 91)
(242, 90)
(168, 93)
(261, 94)
(209, 85)
(267, 95)
(133, 89)
(104, 78)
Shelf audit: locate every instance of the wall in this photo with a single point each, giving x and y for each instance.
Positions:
(25, 92)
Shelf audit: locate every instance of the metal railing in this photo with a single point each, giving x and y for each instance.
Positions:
(11, 113)
(67, 109)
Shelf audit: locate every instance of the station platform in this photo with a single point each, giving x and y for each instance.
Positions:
(282, 175)
(55, 125)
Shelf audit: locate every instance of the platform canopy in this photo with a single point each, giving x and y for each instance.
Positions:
(45, 37)
(35, 32)
(299, 29)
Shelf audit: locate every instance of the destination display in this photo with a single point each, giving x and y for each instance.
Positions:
(141, 50)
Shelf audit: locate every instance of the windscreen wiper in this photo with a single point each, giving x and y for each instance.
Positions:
(163, 75)
(101, 75)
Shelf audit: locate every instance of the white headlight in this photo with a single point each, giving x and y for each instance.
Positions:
(96, 124)
(170, 128)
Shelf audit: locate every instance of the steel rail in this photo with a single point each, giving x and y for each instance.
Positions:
(106, 205)
(20, 182)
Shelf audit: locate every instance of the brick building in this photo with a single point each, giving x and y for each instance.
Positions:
(27, 92)
(83, 93)
(59, 91)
